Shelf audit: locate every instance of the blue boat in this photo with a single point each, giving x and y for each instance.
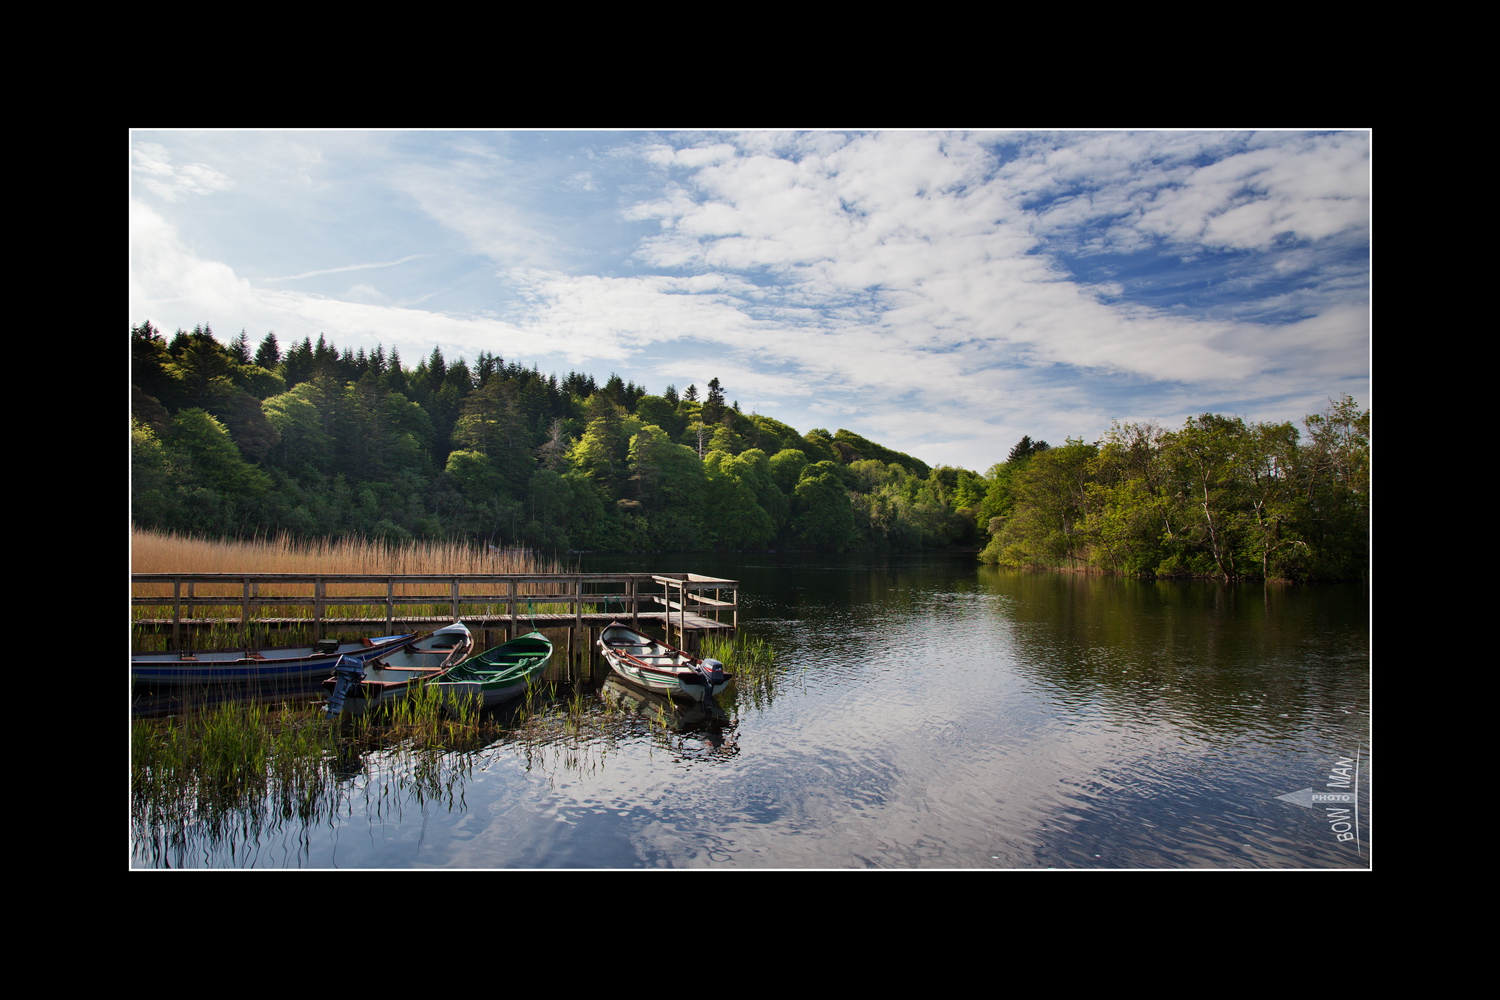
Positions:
(302, 663)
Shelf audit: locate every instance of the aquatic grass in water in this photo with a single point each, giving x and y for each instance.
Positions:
(430, 719)
(217, 780)
(753, 663)
(223, 775)
(220, 787)
(547, 714)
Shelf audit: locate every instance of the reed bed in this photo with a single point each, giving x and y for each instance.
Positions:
(214, 782)
(154, 552)
(224, 775)
(753, 663)
(219, 786)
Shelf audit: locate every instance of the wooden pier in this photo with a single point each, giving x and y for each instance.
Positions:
(390, 603)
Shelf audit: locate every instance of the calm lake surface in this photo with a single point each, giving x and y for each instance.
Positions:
(925, 712)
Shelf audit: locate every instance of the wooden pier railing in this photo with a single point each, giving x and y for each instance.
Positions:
(181, 601)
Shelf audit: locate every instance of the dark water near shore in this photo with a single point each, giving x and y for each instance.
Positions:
(926, 713)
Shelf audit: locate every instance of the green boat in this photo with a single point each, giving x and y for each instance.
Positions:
(500, 674)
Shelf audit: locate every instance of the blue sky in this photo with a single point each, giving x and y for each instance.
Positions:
(940, 292)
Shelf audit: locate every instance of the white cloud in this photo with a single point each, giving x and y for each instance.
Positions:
(153, 168)
(1254, 190)
(914, 278)
(165, 275)
(163, 271)
(909, 222)
(469, 199)
(349, 267)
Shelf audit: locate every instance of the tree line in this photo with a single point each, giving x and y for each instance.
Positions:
(320, 442)
(1218, 498)
(315, 441)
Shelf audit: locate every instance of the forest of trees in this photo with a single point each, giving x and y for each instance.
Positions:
(243, 439)
(1218, 498)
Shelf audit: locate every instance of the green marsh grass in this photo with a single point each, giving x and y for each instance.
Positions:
(752, 661)
(224, 773)
(231, 785)
(214, 781)
(429, 720)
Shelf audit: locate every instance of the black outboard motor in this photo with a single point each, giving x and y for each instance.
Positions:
(347, 673)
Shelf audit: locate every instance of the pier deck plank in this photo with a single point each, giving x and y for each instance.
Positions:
(694, 622)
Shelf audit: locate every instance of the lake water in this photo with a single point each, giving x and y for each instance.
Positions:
(926, 712)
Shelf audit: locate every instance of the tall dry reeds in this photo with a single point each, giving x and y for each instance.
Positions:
(152, 552)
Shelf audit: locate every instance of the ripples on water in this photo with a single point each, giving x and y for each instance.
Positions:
(924, 713)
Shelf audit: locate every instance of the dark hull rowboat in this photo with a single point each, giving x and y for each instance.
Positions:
(303, 663)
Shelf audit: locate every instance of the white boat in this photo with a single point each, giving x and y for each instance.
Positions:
(658, 667)
(357, 687)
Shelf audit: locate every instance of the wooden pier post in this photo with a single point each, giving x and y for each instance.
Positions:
(320, 589)
(245, 614)
(177, 614)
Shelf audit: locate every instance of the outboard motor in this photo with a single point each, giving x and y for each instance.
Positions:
(347, 673)
(712, 672)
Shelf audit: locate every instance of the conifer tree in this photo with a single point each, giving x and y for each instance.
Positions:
(268, 355)
(713, 406)
(240, 349)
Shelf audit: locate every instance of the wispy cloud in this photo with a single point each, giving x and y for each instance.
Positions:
(938, 288)
(153, 168)
(348, 267)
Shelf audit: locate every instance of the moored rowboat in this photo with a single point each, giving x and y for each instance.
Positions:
(499, 674)
(658, 667)
(357, 687)
(302, 663)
